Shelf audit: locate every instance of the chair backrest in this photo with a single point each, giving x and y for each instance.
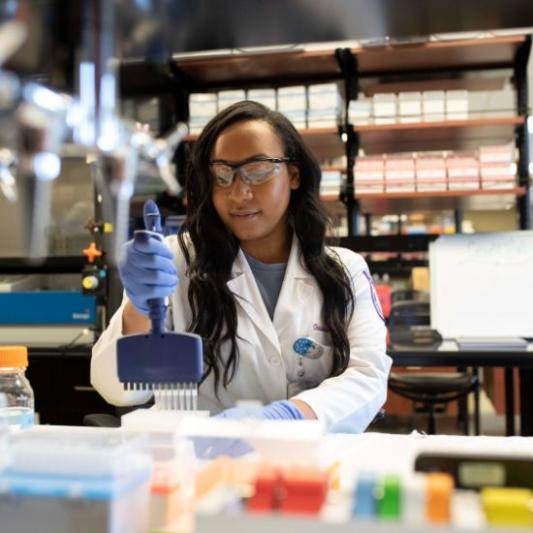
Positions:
(405, 314)
(409, 295)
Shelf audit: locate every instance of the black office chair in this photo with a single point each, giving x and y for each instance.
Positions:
(409, 295)
(101, 420)
(408, 324)
(109, 420)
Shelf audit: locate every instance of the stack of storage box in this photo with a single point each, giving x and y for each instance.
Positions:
(456, 105)
(360, 111)
(433, 106)
(400, 172)
(490, 167)
(330, 183)
(227, 98)
(430, 171)
(325, 105)
(267, 97)
(409, 107)
(202, 108)
(463, 170)
(497, 166)
(385, 109)
(369, 174)
(292, 102)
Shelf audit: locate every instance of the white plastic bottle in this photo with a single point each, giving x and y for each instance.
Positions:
(19, 412)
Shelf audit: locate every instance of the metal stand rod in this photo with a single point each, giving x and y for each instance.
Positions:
(509, 402)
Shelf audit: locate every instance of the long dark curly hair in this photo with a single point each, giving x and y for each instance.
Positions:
(214, 247)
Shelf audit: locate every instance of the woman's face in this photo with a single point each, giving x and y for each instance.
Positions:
(255, 213)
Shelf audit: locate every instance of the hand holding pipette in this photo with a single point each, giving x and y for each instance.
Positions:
(166, 362)
(147, 268)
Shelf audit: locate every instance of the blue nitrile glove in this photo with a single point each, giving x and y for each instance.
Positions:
(146, 267)
(280, 410)
(209, 448)
(213, 447)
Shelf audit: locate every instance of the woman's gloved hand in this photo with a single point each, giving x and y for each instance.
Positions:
(211, 447)
(280, 410)
(147, 269)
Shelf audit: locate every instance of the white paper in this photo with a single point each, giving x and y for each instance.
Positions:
(482, 285)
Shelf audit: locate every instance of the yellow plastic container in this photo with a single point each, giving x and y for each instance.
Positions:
(508, 506)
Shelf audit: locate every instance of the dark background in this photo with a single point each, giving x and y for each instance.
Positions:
(154, 29)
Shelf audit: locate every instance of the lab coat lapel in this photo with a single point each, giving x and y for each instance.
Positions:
(247, 295)
(297, 295)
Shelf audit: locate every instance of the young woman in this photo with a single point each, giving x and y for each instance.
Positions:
(284, 319)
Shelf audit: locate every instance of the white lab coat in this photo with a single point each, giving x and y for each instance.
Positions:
(268, 368)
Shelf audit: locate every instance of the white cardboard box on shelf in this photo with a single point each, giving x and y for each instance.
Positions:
(503, 153)
(498, 175)
(330, 183)
(368, 186)
(325, 97)
(428, 184)
(322, 118)
(505, 182)
(360, 111)
(298, 118)
(430, 165)
(463, 184)
(433, 174)
(369, 174)
(462, 165)
(457, 105)
(437, 117)
(385, 105)
(369, 168)
(229, 97)
(267, 96)
(292, 99)
(409, 119)
(400, 185)
(497, 170)
(433, 104)
(410, 105)
(400, 167)
(380, 121)
(202, 105)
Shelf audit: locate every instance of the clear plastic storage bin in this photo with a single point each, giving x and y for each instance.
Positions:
(87, 480)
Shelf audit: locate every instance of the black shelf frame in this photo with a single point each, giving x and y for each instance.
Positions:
(50, 265)
(348, 63)
(389, 243)
(176, 85)
(522, 141)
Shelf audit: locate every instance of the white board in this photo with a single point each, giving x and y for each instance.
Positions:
(482, 284)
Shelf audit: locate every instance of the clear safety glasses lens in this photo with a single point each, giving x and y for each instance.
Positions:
(252, 173)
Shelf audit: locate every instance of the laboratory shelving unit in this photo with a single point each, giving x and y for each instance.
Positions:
(437, 57)
(295, 65)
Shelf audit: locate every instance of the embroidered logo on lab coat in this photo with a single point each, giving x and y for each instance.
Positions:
(373, 294)
(308, 347)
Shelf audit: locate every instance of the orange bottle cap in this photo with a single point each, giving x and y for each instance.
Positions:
(13, 356)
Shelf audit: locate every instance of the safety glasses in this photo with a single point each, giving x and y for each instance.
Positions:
(254, 171)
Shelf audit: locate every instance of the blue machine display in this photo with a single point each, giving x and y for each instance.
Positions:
(47, 308)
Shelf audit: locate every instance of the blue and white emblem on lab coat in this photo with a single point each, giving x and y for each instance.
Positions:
(308, 347)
